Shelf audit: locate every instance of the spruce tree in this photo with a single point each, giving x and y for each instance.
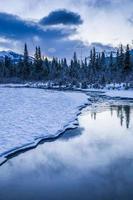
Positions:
(25, 68)
(26, 56)
(111, 62)
(103, 61)
(39, 53)
(38, 64)
(127, 63)
(121, 57)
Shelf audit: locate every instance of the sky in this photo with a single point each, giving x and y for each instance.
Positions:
(61, 27)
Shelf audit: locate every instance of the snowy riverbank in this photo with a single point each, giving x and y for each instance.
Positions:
(112, 90)
(128, 94)
(29, 115)
(120, 93)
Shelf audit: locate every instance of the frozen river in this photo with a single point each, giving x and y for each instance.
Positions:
(92, 162)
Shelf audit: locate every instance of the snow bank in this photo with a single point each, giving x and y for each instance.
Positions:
(120, 93)
(29, 115)
(128, 94)
(12, 85)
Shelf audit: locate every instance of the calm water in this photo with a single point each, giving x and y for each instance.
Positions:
(92, 162)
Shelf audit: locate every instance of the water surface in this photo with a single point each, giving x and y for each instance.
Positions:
(92, 162)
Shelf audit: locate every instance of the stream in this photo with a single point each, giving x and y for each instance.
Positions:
(91, 162)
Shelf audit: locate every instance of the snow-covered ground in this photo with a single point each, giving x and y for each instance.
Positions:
(28, 115)
(120, 93)
(114, 93)
(112, 90)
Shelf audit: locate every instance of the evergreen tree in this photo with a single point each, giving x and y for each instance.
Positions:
(102, 63)
(26, 56)
(127, 63)
(38, 64)
(46, 68)
(117, 59)
(91, 66)
(36, 54)
(94, 57)
(2, 69)
(7, 66)
(39, 53)
(99, 69)
(121, 57)
(25, 67)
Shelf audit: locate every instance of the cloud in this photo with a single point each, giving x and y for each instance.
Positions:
(101, 3)
(13, 27)
(14, 32)
(64, 17)
(102, 47)
(65, 48)
(130, 20)
(108, 4)
(53, 40)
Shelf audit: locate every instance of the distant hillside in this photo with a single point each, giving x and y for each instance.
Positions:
(15, 57)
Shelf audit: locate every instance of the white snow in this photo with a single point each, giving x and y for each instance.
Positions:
(12, 85)
(113, 93)
(10, 54)
(121, 93)
(28, 115)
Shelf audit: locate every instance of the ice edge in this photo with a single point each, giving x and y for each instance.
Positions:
(71, 125)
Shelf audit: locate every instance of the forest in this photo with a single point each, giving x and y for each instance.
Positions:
(97, 68)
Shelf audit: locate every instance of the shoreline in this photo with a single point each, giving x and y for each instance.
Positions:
(70, 126)
(103, 92)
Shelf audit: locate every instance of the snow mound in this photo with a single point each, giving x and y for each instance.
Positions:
(120, 93)
(30, 115)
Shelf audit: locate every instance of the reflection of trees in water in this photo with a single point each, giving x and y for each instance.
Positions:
(127, 113)
(111, 109)
(94, 115)
(123, 113)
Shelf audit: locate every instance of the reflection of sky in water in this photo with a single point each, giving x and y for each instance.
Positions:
(94, 161)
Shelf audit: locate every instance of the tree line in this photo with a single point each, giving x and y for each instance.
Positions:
(97, 68)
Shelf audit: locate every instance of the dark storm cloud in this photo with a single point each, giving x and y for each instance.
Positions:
(13, 27)
(64, 17)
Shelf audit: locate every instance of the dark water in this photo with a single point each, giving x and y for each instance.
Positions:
(93, 162)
